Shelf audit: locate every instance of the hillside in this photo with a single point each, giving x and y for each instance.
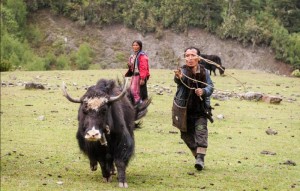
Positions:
(112, 45)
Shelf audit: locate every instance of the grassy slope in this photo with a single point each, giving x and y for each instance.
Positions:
(37, 154)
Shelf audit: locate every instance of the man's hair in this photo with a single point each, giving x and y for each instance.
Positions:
(139, 43)
(192, 47)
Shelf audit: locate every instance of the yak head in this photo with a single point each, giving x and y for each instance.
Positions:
(221, 70)
(93, 114)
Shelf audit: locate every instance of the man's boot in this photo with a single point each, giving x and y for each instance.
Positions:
(199, 165)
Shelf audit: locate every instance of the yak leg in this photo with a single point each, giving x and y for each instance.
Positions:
(121, 168)
(93, 164)
(105, 171)
(110, 164)
(112, 169)
(214, 70)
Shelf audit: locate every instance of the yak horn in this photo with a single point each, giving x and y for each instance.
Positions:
(116, 98)
(64, 89)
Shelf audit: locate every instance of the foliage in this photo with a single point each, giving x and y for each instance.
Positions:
(288, 12)
(293, 50)
(296, 73)
(18, 10)
(272, 23)
(34, 35)
(37, 64)
(8, 21)
(230, 28)
(62, 62)
(15, 50)
(121, 57)
(50, 61)
(5, 65)
(83, 58)
(243, 20)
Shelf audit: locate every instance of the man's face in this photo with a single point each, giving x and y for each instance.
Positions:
(191, 58)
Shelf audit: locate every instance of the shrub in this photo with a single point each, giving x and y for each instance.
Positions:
(36, 64)
(34, 35)
(103, 65)
(62, 62)
(296, 73)
(5, 65)
(50, 61)
(83, 58)
(120, 57)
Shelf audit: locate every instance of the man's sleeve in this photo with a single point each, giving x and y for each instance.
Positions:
(210, 87)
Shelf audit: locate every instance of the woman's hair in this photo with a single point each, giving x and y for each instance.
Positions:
(192, 47)
(139, 43)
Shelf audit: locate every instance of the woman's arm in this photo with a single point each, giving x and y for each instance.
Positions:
(143, 66)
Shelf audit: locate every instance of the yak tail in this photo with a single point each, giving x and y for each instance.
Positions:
(141, 109)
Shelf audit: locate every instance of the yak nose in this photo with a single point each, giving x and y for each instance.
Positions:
(93, 135)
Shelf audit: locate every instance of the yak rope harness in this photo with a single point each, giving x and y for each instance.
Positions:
(212, 63)
(218, 66)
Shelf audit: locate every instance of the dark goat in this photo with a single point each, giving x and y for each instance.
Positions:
(106, 119)
(212, 67)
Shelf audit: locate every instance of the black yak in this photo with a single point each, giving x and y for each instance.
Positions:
(106, 119)
(212, 67)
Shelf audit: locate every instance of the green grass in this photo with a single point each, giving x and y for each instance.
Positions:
(35, 154)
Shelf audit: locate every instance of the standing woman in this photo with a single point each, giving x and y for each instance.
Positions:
(138, 68)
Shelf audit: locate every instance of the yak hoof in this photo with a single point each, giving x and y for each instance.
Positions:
(93, 167)
(123, 185)
(107, 179)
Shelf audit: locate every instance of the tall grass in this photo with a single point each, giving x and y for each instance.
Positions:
(44, 155)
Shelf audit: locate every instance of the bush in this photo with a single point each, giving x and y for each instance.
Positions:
(293, 50)
(120, 57)
(36, 64)
(62, 62)
(230, 28)
(5, 65)
(34, 35)
(296, 73)
(103, 65)
(83, 58)
(50, 61)
(18, 9)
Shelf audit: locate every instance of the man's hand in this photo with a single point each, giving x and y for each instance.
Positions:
(178, 73)
(199, 92)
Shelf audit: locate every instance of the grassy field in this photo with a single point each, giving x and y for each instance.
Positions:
(44, 155)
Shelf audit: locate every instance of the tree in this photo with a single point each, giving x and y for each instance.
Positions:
(288, 12)
(18, 9)
(83, 57)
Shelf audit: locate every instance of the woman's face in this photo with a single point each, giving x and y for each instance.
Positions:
(136, 47)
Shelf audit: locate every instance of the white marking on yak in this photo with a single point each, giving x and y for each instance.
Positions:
(95, 103)
(93, 134)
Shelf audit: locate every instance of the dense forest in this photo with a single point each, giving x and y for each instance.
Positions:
(270, 23)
